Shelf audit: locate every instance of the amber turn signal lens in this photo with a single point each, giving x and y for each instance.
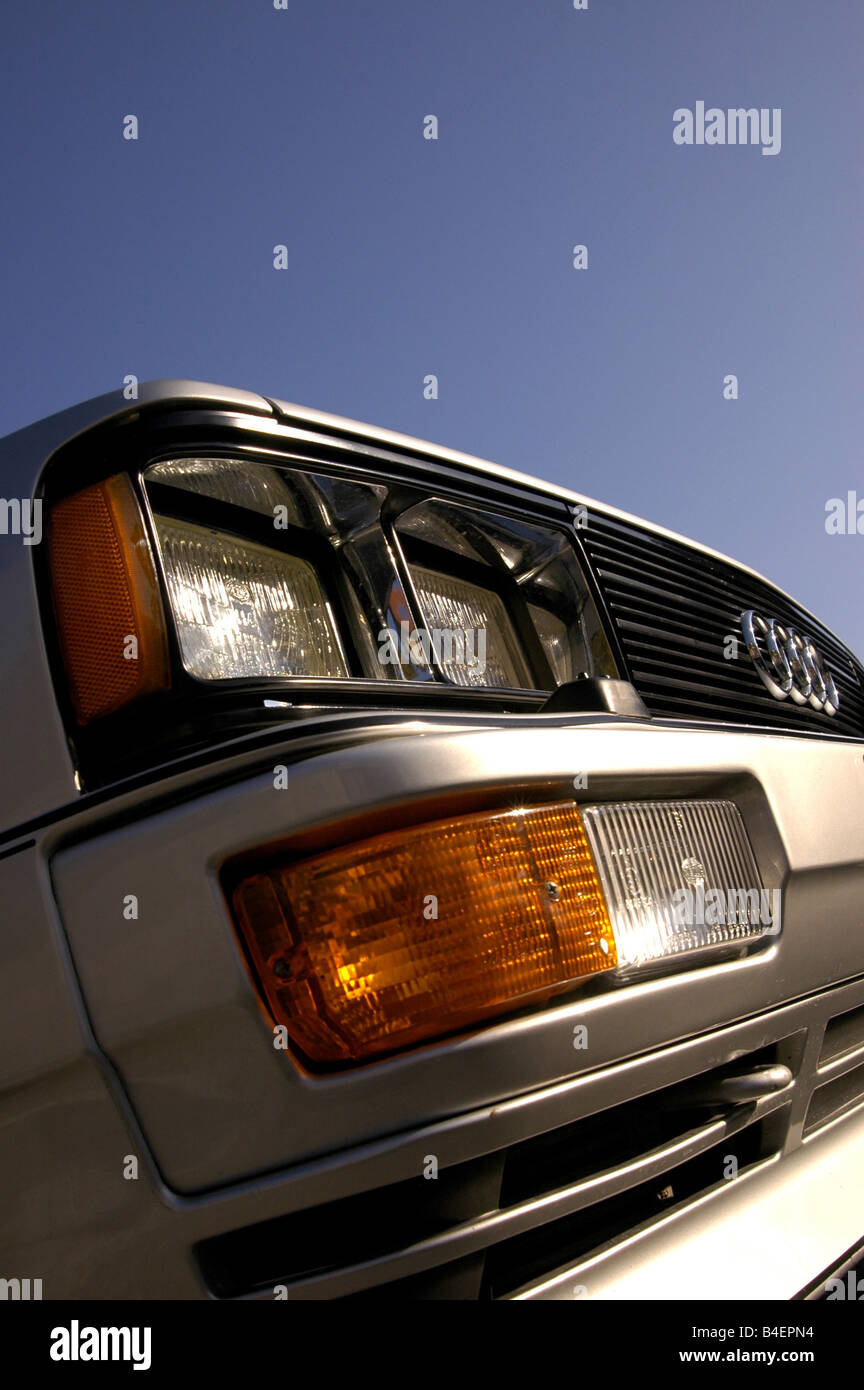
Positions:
(420, 931)
(110, 620)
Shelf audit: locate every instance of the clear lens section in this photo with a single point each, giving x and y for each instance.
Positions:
(253, 486)
(678, 877)
(468, 631)
(561, 653)
(244, 610)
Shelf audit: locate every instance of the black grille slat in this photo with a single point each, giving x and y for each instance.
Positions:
(673, 606)
(639, 575)
(721, 611)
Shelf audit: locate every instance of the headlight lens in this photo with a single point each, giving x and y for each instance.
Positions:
(255, 487)
(470, 632)
(542, 627)
(560, 651)
(242, 609)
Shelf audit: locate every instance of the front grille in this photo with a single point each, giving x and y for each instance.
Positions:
(516, 1213)
(834, 1098)
(565, 1187)
(674, 608)
(840, 1075)
(843, 1034)
(540, 1252)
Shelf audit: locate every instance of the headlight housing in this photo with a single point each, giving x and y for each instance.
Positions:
(542, 618)
(237, 574)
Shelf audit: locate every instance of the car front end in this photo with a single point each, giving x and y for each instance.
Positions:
(420, 881)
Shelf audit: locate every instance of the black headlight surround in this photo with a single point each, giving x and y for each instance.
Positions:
(198, 718)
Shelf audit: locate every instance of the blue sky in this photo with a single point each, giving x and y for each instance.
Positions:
(304, 126)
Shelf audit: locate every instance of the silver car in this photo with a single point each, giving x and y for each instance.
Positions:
(419, 881)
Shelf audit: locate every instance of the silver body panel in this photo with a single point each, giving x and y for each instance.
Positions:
(144, 1038)
(179, 1065)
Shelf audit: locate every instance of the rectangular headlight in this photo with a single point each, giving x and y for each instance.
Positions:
(242, 609)
(497, 604)
(504, 576)
(470, 632)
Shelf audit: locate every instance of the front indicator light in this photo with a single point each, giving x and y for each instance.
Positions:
(110, 622)
(417, 932)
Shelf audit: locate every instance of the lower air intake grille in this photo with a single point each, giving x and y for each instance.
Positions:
(675, 606)
(525, 1258)
(843, 1034)
(835, 1098)
(487, 1225)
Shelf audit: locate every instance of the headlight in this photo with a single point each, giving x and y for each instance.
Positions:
(241, 609)
(469, 632)
(256, 488)
(226, 569)
(555, 639)
(516, 584)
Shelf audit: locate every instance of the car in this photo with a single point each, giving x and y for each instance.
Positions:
(420, 881)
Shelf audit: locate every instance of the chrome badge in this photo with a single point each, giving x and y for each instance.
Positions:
(789, 664)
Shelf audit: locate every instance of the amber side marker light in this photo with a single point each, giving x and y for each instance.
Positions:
(417, 932)
(105, 591)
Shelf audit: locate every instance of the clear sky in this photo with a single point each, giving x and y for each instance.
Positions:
(303, 126)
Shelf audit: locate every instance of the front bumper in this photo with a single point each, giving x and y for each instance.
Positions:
(158, 1050)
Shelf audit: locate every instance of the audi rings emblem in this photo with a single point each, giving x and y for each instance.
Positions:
(788, 663)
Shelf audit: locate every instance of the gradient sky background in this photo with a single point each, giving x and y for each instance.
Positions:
(304, 127)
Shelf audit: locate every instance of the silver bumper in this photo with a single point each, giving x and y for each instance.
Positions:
(160, 1037)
